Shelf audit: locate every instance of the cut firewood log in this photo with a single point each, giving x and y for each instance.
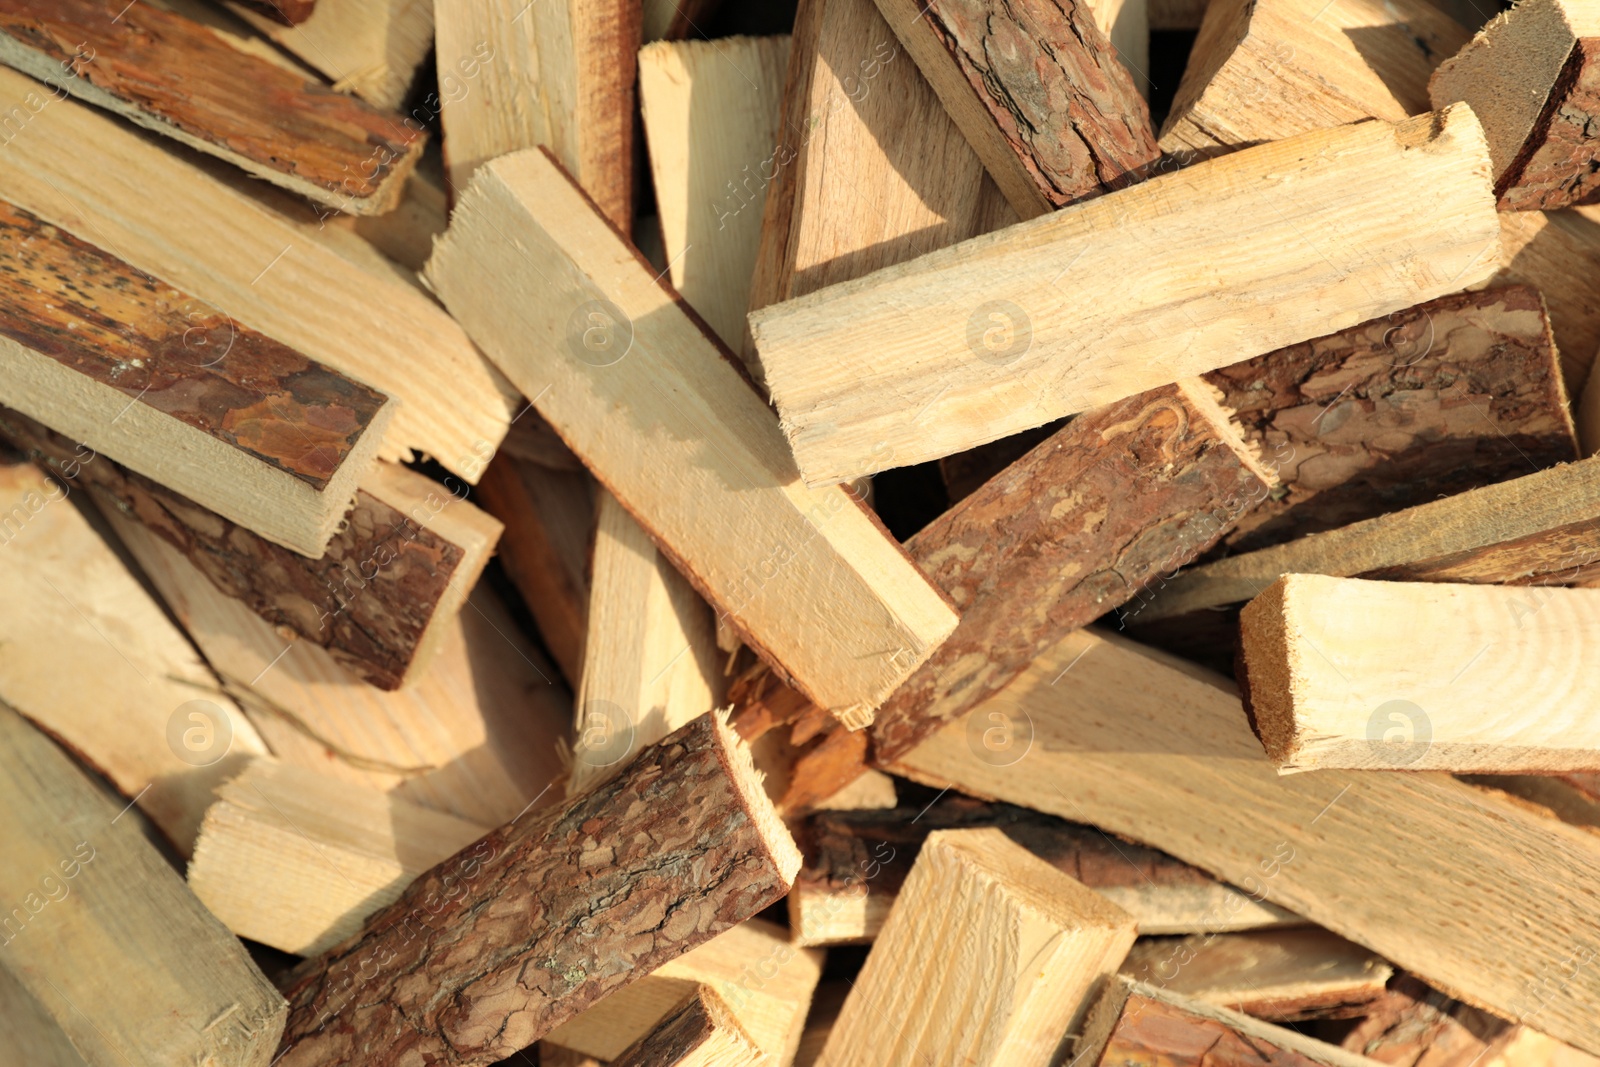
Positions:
(1432, 401)
(379, 599)
(298, 860)
(368, 47)
(117, 189)
(551, 912)
(1552, 251)
(1117, 497)
(104, 936)
(1037, 91)
(711, 113)
(90, 657)
(766, 981)
(856, 863)
(1322, 692)
(1263, 71)
(559, 73)
(1278, 975)
(987, 958)
(651, 662)
(699, 1032)
(1531, 77)
(165, 384)
(1197, 785)
(845, 615)
(974, 342)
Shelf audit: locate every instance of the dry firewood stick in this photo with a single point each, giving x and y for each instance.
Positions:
(973, 342)
(492, 949)
(178, 78)
(699, 1032)
(372, 47)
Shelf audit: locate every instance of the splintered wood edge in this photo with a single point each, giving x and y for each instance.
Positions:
(1204, 398)
(736, 758)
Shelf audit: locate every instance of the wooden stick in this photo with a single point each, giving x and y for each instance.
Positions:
(732, 516)
(1484, 694)
(1531, 78)
(104, 936)
(176, 77)
(987, 957)
(1037, 91)
(514, 952)
(1198, 786)
(973, 342)
(700, 1032)
(368, 47)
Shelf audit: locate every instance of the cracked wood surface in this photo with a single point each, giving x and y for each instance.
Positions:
(495, 947)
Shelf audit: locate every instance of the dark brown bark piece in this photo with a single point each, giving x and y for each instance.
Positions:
(495, 947)
(288, 12)
(1153, 1033)
(1414, 1024)
(701, 1027)
(1559, 162)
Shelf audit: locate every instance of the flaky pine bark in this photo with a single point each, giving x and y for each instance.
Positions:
(1559, 163)
(700, 1032)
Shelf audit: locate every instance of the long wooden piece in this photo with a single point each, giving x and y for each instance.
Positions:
(974, 342)
(1038, 92)
(27, 1032)
(104, 936)
(700, 1032)
(163, 72)
(806, 576)
(1197, 785)
(551, 912)
(371, 48)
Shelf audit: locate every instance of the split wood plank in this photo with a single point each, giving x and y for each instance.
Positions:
(765, 980)
(554, 910)
(1036, 89)
(1198, 786)
(1533, 78)
(1076, 527)
(372, 48)
(1263, 71)
(560, 74)
(116, 359)
(700, 1032)
(298, 860)
(1432, 401)
(103, 935)
(987, 958)
(856, 863)
(808, 578)
(90, 657)
(1334, 676)
(379, 599)
(711, 113)
(177, 78)
(27, 1032)
(958, 359)
(119, 190)
(651, 662)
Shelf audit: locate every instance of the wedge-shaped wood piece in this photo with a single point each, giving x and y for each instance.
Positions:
(1118, 496)
(1197, 785)
(1534, 80)
(1335, 677)
(261, 268)
(987, 958)
(1038, 92)
(551, 912)
(699, 1032)
(102, 933)
(103, 352)
(806, 576)
(1263, 71)
(1444, 397)
(368, 47)
(178, 78)
(1239, 255)
(89, 655)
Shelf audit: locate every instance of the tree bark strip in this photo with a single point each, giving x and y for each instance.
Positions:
(1154, 1033)
(1559, 163)
(495, 947)
(288, 12)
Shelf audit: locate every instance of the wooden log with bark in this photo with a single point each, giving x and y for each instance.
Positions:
(699, 1032)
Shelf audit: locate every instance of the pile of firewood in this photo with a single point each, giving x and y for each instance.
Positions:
(854, 533)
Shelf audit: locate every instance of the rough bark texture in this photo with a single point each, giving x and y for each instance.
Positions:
(1414, 1024)
(288, 12)
(92, 313)
(1151, 1033)
(1559, 163)
(368, 600)
(1432, 401)
(810, 755)
(693, 1032)
(496, 946)
(1052, 82)
(178, 77)
(1070, 531)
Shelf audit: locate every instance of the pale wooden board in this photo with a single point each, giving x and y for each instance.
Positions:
(1105, 747)
(89, 655)
(368, 47)
(669, 425)
(1239, 255)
